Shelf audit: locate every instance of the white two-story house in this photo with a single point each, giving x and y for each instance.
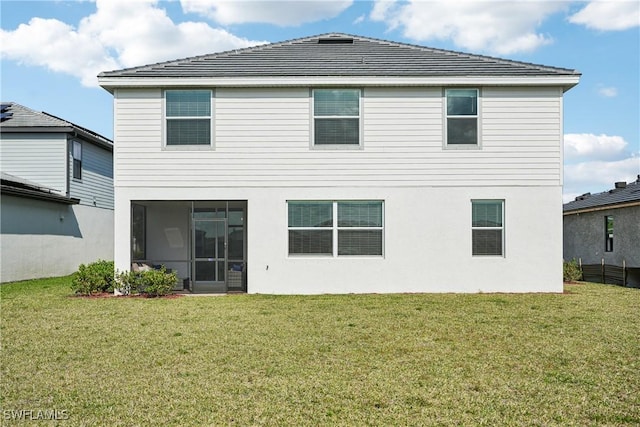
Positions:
(341, 164)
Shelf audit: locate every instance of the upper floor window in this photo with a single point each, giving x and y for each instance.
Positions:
(462, 117)
(487, 227)
(76, 154)
(336, 117)
(188, 115)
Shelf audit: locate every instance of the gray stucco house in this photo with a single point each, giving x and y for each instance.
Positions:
(57, 195)
(604, 228)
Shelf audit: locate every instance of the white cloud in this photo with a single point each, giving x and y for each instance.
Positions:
(494, 26)
(121, 33)
(382, 10)
(57, 46)
(593, 163)
(596, 176)
(608, 91)
(282, 13)
(359, 19)
(589, 146)
(609, 15)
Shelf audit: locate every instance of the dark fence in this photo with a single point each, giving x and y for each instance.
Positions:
(611, 274)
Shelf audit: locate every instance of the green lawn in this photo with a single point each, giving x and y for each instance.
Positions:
(485, 359)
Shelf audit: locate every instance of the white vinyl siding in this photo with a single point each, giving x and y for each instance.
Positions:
(262, 138)
(37, 157)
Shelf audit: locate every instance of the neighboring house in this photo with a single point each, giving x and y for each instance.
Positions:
(604, 228)
(57, 195)
(340, 164)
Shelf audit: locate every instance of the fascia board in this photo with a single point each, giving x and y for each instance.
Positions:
(110, 83)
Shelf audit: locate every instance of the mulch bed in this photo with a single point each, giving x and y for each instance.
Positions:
(112, 295)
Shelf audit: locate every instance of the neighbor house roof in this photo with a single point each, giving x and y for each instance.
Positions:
(622, 195)
(340, 55)
(20, 187)
(18, 118)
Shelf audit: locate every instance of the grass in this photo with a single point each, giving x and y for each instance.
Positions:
(487, 359)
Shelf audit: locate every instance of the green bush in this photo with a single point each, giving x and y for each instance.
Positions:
(152, 282)
(571, 271)
(95, 277)
(158, 282)
(129, 282)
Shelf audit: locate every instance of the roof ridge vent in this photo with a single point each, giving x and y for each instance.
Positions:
(583, 196)
(621, 184)
(335, 40)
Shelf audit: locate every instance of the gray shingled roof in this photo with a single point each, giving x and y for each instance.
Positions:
(334, 55)
(26, 117)
(23, 119)
(20, 187)
(631, 193)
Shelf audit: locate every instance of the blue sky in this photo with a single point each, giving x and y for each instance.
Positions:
(51, 52)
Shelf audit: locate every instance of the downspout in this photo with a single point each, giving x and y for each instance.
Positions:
(66, 168)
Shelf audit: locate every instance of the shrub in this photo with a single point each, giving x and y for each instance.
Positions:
(571, 271)
(95, 277)
(152, 282)
(158, 282)
(129, 282)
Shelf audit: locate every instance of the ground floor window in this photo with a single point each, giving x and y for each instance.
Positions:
(138, 232)
(487, 227)
(608, 233)
(336, 228)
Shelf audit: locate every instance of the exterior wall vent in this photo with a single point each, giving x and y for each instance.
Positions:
(335, 40)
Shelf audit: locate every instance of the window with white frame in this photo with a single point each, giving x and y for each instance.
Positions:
(487, 227)
(76, 154)
(336, 228)
(336, 117)
(188, 117)
(462, 117)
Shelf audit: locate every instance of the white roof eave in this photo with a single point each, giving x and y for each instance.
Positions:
(111, 83)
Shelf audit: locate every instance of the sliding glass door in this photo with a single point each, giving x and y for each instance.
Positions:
(210, 252)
